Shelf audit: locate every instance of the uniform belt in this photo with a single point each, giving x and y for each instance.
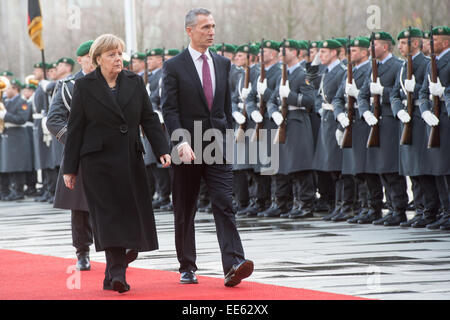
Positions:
(293, 108)
(37, 116)
(13, 125)
(327, 106)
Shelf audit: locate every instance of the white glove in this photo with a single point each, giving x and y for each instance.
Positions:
(238, 117)
(410, 84)
(261, 87)
(343, 120)
(2, 114)
(277, 117)
(351, 89)
(44, 84)
(46, 135)
(403, 116)
(148, 89)
(370, 118)
(339, 137)
(160, 116)
(430, 118)
(240, 105)
(316, 60)
(376, 87)
(256, 116)
(245, 92)
(284, 90)
(436, 89)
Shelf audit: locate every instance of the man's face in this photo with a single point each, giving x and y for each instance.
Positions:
(38, 73)
(52, 74)
(327, 56)
(202, 34)
(11, 92)
(440, 43)
(240, 59)
(291, 55)
(86, 63)
(27, 93)
(154, 62)
(269, 55)
(381, 48)
(357, 54)
(426, 46)
(62, 68)
(138, 65)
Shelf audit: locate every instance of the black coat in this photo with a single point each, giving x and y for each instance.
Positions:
(103, 135)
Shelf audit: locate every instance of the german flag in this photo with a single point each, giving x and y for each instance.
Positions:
(35, 23)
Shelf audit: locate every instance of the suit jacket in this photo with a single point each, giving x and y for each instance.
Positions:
(183, 100)
(103, 134)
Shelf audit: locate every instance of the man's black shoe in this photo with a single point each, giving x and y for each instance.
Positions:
(238, 272)
(188, 277)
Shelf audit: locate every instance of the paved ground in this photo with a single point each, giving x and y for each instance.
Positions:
(362, 260)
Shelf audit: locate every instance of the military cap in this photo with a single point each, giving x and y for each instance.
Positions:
(172, 52)
(139, 55)
(441, 31)
(52, 65)
(330, 44)
(426, 34)
(30, 86)
(256, 44)
(84, 48)
(126, 63)
(271, 45)
(213, 49)
(316, 44)
(362, 42)
(342, 41)
(66, 60)
(248, 48)
(382, 35)
(7, 73)
(303, 45)
(39, 65)
(16, 82)
(415, 33)
(155, 52)
(290, 43)
(226, 47)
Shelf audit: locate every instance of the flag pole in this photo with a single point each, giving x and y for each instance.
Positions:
(44, 66)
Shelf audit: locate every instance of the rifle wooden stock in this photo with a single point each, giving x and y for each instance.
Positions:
(347, 140)
(434, 140)
(262, 103)
(280, 136)
(374, 135)
(406, 138)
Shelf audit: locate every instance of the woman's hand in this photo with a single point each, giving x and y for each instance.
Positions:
(165, 160)
(70, 180)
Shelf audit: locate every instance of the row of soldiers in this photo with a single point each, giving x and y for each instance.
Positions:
(311, 102)
(315, 93)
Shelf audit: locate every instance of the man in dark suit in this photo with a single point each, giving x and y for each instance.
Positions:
(195, 89)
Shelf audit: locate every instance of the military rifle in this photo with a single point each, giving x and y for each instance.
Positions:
(280, 136)
(374, 135)
(262, 103)
(240, 134)
(347, 140)
(434, 141)
(406, 138)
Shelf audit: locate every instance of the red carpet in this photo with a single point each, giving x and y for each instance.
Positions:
(25, 276)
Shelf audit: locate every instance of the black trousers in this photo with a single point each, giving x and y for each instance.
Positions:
(17, 180)
(31, 179)
(82, 236)
(4, 183)
(444, 191)
(185, 186)
(326, 186)
(241, 187)
(361, 191)
(395, 186)
(346, 191)
(262, 187)
(283, 190)
(304, 187)
(430, 197)
(374, 190)
(162, 181)
(116, 263)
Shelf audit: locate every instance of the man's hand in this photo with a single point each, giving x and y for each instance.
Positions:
(410, 84)
(430, 118)
(165, 160)
(370, 118)
(284, 90)
(261, 86)
(376, 87)
(70, 180)
(436, 89)
(403, 116)
(238, 117)
(256, 116)
(351, 89)
(277, 117)
(246, 92)
(343, 120)
(185, 152)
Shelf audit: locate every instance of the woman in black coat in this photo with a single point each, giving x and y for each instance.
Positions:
(108, 107)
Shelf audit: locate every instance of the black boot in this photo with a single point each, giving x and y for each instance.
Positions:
(380, 222)
(333, 213)
(395, 219)
(83, 263)
(371, 216)
(359, 216)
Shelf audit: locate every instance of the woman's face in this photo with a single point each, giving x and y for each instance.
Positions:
(111, 61)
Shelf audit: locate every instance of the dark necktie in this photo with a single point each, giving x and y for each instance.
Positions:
(207, 82)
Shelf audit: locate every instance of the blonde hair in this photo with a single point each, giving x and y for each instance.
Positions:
(104, 43)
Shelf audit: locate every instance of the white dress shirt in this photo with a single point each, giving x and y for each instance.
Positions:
(198, 62)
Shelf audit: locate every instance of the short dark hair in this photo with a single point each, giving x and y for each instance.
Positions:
(191, 17)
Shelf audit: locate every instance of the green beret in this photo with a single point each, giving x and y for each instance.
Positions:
(39, 65)
(330, 44)
(382, 35)
(226, 47)
(126, 63)
(16, 82)
(256, 44)
(254, 50)
(415, 33)
(342, 41)
(139, 55)
(316, 44)
(7, 74)
(303, 45)
(290, 43)
(155, 52)
(30, 86)
(426, 34)
(441, 31)
(362, 42)
(213, 49)
(172, 52)
(84, 48)
(52, 65)
(66, 60)
(271, 45)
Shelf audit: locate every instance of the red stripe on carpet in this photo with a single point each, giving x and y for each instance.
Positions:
(26, 276)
